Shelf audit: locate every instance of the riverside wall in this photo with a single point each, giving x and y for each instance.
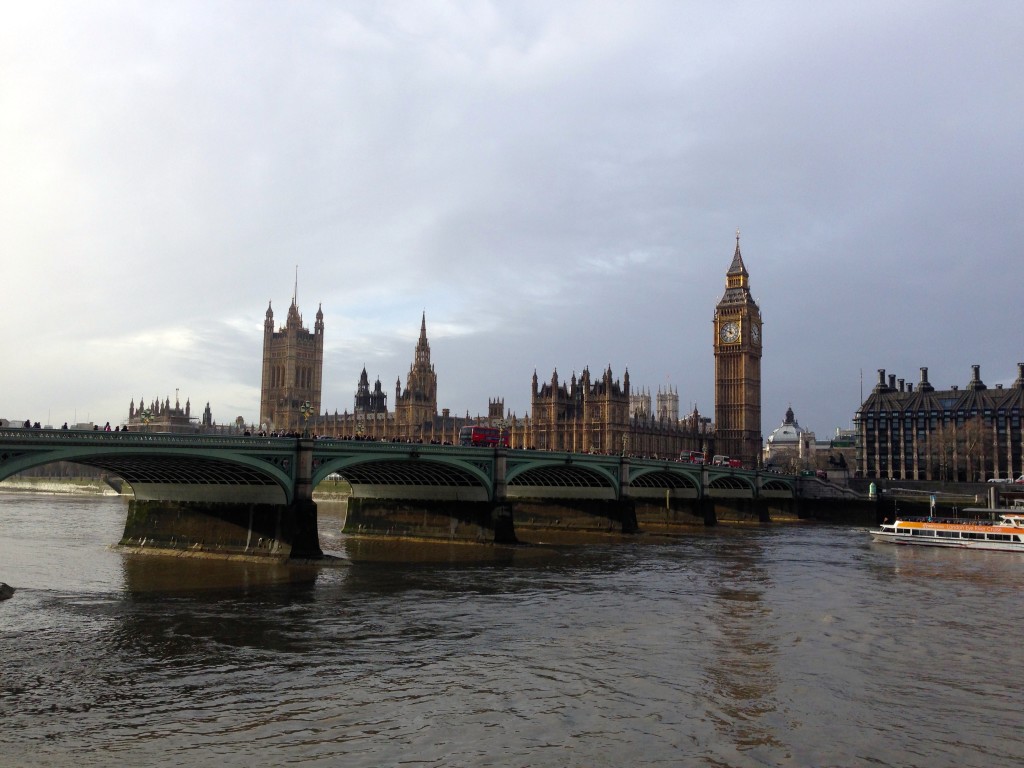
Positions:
(515, 520)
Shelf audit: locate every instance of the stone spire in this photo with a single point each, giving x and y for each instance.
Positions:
(423, 346)
(737, 267)
(737, 289)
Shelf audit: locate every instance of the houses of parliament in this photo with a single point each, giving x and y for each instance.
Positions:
(594, 412)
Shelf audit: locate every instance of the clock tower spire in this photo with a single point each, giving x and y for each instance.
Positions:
(737, 344)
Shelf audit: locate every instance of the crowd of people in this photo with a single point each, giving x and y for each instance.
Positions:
(29, 424)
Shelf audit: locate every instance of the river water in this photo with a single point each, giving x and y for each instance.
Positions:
(788, 645)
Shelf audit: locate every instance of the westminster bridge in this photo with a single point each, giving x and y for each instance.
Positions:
(254, 495)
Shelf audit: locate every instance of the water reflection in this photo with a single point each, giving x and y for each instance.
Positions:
(973, 569)
(148, 574)
(382, 550)
(181, 607)
(741, 669)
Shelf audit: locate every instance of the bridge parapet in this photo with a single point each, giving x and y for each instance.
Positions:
(97, 436)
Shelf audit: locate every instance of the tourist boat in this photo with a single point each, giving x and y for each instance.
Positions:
(1006, 533)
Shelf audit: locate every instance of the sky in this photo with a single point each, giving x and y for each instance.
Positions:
(555, 185)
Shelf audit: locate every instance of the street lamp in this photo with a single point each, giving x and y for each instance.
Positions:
(305, 409)
(146, 416)
(502, 426)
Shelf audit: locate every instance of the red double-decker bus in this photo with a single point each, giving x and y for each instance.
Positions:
(487, 437)
(692, 457)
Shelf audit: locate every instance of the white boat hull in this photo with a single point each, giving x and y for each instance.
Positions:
(928, 541)
(1003, 535)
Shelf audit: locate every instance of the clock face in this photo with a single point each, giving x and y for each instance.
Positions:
(730, 332)
(755, 333)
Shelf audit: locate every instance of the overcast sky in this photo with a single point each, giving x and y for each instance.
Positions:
(556, 185)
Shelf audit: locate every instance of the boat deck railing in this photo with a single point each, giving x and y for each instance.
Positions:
(949, 520)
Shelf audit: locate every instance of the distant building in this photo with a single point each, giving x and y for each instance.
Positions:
(367, 402)
(416, 405)
(414, 417)
(293, 362)
(966, 435)
(580, 416)
(164, 417)
(640, 404)
(587, 415)
(667, 405)
(844, 438)
(789, 446)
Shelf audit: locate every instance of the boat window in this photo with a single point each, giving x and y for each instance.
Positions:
(948, 534)
(999, 537)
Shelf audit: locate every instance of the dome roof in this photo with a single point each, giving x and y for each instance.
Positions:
(789, 432)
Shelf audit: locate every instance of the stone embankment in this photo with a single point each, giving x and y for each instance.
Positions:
(813, 488)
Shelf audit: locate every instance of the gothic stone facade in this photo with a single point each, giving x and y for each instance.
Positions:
(164, 417)
(293, 360)
(920, 433)
(593, 416)
(737, 346)
(414, 417)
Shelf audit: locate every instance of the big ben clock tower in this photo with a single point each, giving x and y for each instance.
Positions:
(738, 368)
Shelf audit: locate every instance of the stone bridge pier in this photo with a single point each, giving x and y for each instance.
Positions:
(172, 518)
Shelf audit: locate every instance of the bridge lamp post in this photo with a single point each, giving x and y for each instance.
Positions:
(305, 409)
(146, 416)
(502, 426)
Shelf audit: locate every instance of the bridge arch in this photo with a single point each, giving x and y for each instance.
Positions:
(655, 482)
(168, 472)
(731, 485)
(561, 475)
(408, 476)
